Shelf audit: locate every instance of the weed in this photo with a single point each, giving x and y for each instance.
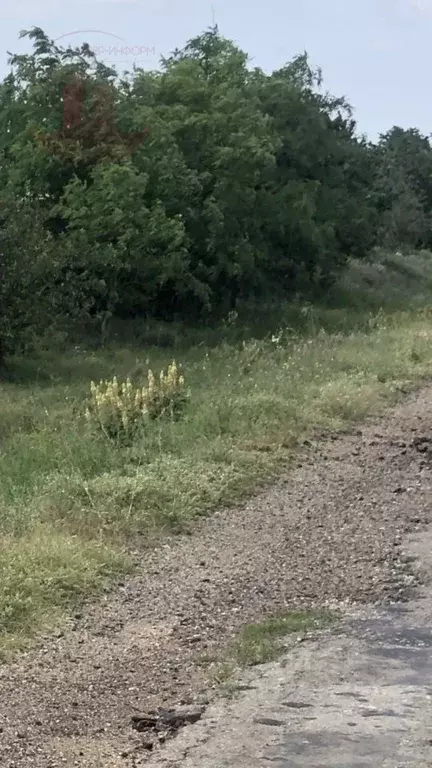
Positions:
(119, 410)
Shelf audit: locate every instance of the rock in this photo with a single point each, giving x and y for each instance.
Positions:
(177, 718)
(171, 719)
(142, 723)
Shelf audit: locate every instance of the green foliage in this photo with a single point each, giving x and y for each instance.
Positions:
(403, 188)
(186, 192)
(30, 262)
(319, 212)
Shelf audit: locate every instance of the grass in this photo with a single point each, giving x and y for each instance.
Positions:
(71, 502)
(260, 643)
(263, 642)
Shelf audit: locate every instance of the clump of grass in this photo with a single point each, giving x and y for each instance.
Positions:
(262, 642)
(44, 573)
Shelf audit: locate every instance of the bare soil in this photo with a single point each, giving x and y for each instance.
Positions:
(329, 534)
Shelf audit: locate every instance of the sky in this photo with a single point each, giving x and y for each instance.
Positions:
(377, 53)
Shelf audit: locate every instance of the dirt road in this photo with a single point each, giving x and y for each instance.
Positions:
(333, 532)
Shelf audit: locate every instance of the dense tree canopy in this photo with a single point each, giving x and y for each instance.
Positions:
(180, 191)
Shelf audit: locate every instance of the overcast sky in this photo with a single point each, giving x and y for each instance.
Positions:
(378, 53)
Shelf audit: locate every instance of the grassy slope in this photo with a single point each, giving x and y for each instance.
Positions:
(70, 501)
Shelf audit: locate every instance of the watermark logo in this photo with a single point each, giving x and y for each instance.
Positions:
(110, 48)
(89, 109)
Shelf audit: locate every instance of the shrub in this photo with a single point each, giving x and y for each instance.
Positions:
(120, 409)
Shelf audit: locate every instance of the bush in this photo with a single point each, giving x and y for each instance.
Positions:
(119, 410)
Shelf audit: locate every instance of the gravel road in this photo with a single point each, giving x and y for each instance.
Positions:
(332, 532)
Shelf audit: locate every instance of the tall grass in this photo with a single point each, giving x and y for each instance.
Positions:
(71, 501)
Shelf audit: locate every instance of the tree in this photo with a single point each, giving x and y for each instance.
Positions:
(320, 212)
(403, 188)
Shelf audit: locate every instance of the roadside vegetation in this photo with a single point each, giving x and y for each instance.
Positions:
(246, 247)
(76, 504)
(263, 642)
